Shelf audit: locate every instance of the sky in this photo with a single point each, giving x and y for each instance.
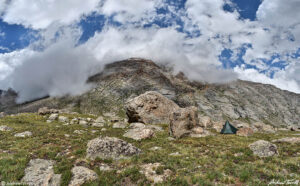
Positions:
(51, 47)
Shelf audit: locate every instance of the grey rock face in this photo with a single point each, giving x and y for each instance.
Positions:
(23, 134)
(82, 175)
(40, 172)
(263, 148)
(139, 134)
(150, 108)
(110, 147)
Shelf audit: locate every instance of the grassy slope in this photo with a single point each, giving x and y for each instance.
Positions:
(203, 161)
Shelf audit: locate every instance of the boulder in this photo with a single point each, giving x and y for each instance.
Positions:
(137, 125)
(53, 117)
(5, 128)
(110, 147)
(150, 108)
(139, 133)
(183, 121)
(151, 172)
(81, 175)
(263, 148)
(40, 172)
(63, 119)
(292, 140)
(23, 134)
(245, 131)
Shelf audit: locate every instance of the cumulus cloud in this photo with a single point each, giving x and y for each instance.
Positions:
(41, 14)
(60, 66)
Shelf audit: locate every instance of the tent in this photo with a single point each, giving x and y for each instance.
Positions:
(228, 129)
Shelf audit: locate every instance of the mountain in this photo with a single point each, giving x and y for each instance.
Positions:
(119, 81)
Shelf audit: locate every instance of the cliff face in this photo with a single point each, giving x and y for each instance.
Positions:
(239, 100)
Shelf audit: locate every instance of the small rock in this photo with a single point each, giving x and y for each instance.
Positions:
(263, 148)
(53, 117)
(49, 121)
(23, 134)
(81, 175)
(116, 119)
(98, 124)
(150, 171)
(40, 172)
(103, 129)
(100, 119)
(155, 148)
(119, 125)
(110, 147)
(139, 133)
(245, 131)
(261, 127)
(89, 120)
(63, 119)
(94, 131)
(103, 167)
(74, 121)
(175, 154)
(292, 140)
(83, 123)
(238, 154)
(79, 131)
(137, 125)
(5, 128)
(67, 135)
(170, 138)
(46, 110)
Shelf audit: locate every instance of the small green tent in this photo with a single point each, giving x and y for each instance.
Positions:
(228, 129)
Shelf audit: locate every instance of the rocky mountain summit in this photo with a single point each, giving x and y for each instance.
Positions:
(238, 101)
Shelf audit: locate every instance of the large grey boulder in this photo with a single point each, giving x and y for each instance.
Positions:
(150, 108)
(82, 175)
(183, 121)
(40, 172)
(139, 133)
(110, 147)
(263, 148)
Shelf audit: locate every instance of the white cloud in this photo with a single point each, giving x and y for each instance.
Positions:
(40, 14)
(282, 79)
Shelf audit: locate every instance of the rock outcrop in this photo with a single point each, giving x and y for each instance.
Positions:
(150, 108)
(263, 148)
(110, 147)
(40, 172)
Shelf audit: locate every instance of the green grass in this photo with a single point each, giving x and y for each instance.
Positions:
(202, 161)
